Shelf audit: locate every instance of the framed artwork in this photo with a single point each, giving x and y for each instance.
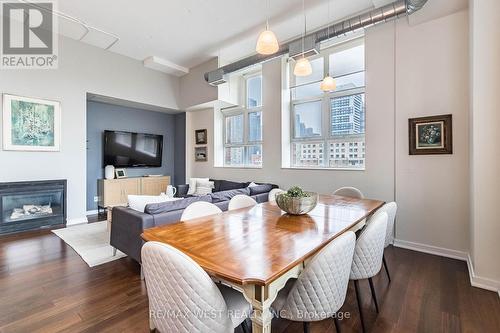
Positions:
(200, 154)
(201, 136)
(430, 135)
(120, 173)
(31, 124)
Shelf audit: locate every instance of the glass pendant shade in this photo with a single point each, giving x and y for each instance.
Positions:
(267, 43)
(302, 67)
(328, 84)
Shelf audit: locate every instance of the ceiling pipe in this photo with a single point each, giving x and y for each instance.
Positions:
(383, 14)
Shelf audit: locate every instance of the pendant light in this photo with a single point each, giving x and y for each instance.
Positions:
(303, 66)
(267, 42)
(328, 83)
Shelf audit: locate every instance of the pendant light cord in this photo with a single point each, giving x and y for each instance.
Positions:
(305, 27)
(267, 15)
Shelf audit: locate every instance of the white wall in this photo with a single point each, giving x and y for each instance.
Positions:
(432, 78)
(485, 162)
(423, 69)
(82, 69)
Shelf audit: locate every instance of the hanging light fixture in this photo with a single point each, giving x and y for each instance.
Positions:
(328, 83)
(303, 66)
(267, 42)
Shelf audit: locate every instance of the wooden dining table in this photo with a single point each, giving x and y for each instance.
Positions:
(256, 250)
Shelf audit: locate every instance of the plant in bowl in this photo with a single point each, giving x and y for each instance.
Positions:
(296, 201)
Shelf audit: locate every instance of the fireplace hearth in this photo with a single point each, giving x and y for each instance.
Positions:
(32, 205)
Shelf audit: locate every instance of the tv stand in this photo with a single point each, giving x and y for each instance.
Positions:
(114, 192)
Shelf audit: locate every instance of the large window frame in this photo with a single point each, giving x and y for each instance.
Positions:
(325, 98)
(245, 110)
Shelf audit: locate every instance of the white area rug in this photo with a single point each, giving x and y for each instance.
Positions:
(90, 241)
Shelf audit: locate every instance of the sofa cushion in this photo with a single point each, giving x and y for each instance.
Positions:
(259, 189)
(226, 185)
(139, 202)
(164, 207)
(227, 195)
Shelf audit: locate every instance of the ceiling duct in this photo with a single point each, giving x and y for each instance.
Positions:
(383, 14)
(307, 47)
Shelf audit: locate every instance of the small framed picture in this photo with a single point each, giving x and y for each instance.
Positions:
(120, 173)
(201, 136)
(430, 135)
(200, 154)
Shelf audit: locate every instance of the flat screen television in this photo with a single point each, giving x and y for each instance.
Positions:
(132, 150)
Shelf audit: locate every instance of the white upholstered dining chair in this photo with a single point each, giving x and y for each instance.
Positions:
(367, 260)
(391, 209)
(348, 191)
(273, 193)
(241, 201)
(199, 209)
(176, 284)
(320, 290)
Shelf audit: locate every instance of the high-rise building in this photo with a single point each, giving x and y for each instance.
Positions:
(347, 115)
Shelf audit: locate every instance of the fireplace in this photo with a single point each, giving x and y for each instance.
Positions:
(32, 205)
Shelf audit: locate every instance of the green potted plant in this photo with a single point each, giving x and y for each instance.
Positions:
(296, 201)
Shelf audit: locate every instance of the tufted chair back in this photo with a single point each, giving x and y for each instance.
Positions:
(351, 192)
(320, 290)
(390, 208)
(199, 209)
(241, 201)
(273, 193)
(182, 297)
(370, 248)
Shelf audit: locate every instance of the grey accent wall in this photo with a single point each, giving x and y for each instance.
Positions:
(101, 116)
(180, 149)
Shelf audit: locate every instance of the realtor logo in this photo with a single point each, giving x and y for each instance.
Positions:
(29, 39)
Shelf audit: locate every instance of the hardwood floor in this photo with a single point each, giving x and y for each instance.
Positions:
(46, 287)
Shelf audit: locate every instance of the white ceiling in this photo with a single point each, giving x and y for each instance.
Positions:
(190, 32)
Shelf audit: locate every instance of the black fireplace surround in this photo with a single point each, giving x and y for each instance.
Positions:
(32, 205)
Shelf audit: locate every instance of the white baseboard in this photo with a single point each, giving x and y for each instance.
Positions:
(481, 282)
(439, 251)
(475, 281)
(76, 220)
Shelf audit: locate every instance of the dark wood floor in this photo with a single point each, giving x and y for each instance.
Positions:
(46, 287)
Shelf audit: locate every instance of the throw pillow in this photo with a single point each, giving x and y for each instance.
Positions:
(229, 185)
(203, 187)
(259, 189)
(192, 184)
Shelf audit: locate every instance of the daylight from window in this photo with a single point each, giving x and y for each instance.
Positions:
(328, 129)
(243, 127)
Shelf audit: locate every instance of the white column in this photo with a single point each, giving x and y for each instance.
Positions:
(485, 144)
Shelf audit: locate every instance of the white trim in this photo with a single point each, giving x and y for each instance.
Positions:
(92, 212)
(481, 282)
(475, 281)
(439, 251)
(76, 220)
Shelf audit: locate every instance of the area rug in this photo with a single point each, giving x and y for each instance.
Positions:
(90, 241)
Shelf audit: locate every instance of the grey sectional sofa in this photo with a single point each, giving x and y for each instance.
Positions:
(129, 224)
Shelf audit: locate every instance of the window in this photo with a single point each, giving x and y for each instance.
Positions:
(243, 127)
(328, 129)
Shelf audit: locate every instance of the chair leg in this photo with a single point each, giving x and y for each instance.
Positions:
(306, 327)
(358, 299)
(386, 268)
(337, 324)
(244, 327)
(372, 289)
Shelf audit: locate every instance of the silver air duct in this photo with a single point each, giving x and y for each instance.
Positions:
(383, 14)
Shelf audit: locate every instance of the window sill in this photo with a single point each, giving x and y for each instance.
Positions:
(326, 169)
(238, 167)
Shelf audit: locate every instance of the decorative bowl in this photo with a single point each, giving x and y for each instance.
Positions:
(297, 205)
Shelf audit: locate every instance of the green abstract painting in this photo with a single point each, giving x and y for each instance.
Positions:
(32, 124)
